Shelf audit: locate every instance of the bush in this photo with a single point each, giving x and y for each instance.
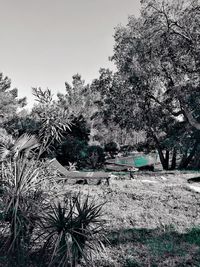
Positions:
(73, 147)
(126, 149)
(145, 147)
(72, 150)
(95, 157)
(76, 151)
(70, 229)
(111, 148)
(80, 129)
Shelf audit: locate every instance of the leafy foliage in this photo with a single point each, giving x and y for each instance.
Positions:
(13, 149)
(9, 101)
(95, 157)
(21, 194)
(71, 150)
(157, 73)
(111, 148)
(70, 228)
(78, 99)
(53, 118)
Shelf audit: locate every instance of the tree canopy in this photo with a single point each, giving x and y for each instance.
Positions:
(9, 101)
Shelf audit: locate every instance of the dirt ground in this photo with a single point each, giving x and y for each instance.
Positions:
(149, 218)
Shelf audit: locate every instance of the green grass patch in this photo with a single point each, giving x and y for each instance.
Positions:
(157, 245)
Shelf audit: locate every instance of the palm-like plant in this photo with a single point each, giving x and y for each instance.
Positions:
(21, 183)
(70, 229)
(11, 148)
(55, 120)
(6, 143)
(21, 198)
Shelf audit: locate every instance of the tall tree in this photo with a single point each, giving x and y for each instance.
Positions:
(9, 101)
(115, 118)
(78, 98)
(161, 50)
(157, 59)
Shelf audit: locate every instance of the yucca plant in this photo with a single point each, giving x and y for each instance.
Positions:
(87, 228)
(21, 192)
(22, 200)
(71, 229)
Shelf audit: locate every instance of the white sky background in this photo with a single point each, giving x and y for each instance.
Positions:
(44, 42)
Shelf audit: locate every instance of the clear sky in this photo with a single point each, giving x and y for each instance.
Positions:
(44, 42)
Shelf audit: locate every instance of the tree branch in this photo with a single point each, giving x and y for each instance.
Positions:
(192, 121)
(176, 114)
(186, 112)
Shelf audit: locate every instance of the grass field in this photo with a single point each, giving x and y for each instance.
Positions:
(151, 220)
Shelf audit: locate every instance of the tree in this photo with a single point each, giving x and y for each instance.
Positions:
(78, 99)
(157, 60)
(161, 49)
(111, 117)
(9, 101)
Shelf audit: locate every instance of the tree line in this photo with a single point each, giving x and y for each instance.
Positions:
(154, 91)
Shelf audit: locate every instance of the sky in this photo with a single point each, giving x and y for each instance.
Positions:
(45, 42)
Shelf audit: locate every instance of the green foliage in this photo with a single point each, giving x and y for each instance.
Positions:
(13, 149)
(71, 150)
(54, 119)
(193, 236)
(132, 263)
(111, 148)
(157, 80)
(146, 147)
(73, 147)
(155, 247)
(9, 102)
(95, 157)
(70, 229)
(76, 151)
(20, 125)
(79, 128)
(21, 194)
(78, 99)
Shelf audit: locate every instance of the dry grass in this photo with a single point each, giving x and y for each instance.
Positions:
(149, 219)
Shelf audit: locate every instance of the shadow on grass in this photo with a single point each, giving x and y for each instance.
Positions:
(157, 247)
(194, 180)
(142, 248)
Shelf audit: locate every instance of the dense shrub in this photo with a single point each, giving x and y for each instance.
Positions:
(126, 149)
(72, 150)
(73, 145)
(80, 129)
(20, 125)
(145, 147)
(111, 148)
(95, 157)
(76, 151)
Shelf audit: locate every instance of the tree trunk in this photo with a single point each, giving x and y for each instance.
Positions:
(162, 158)
(167, 160)
(173, 164)
(187, 159)
(160, 152)
(197, 159)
